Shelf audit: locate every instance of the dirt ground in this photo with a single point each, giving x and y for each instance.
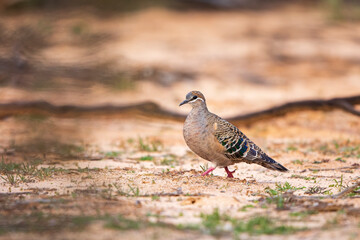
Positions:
(135, 178)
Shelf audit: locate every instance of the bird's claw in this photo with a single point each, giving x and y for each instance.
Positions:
(229, 173)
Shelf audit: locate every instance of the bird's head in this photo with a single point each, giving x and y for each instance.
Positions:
(195, 98)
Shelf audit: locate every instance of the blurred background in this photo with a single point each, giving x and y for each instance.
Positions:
(244, 55)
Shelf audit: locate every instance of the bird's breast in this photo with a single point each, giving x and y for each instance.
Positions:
(197, 135)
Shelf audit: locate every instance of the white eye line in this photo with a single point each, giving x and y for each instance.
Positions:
(196, 99)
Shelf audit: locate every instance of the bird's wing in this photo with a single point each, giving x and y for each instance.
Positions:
(236, 145)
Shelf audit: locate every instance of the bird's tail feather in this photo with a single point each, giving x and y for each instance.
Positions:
(270, 163)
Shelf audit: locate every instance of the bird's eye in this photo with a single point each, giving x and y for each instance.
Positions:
(194, 97)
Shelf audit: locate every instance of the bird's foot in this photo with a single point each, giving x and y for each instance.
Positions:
(208, 171)
(229, 173)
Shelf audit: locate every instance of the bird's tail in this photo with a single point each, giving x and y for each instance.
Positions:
(270, 163)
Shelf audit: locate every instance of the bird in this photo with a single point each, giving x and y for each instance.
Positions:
(218, 141)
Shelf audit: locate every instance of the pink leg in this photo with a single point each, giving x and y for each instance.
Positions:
(208, 171)
(229, 173)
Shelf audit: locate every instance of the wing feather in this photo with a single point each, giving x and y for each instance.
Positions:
(238, 147)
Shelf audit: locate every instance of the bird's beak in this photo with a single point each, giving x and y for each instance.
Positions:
(184, 102)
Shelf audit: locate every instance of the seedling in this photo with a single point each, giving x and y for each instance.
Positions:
(338, 184)
(135, 191)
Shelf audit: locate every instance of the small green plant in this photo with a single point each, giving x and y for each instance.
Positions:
(303, 177)
(325, 149)
(297, 161)
(112, 154)
(155, 197)
(188, 226)
(143, 146)
(11, 179)
(339, 159)
(212, 221)
(205, 167)
(146, 158)
(23, 172)
(46, 172)
(130, 140)
(291, 148)
(345, 148)
(355, 192)
(338, 184)
(276, 199)
(8, 167)
(169, 161)
(276, 195)
(119, 190)
(153, 146)
(28, 168)
(134, 191)
(327, 192)
(84, 170)
(165, 170)
(246, 207)
(287, 186)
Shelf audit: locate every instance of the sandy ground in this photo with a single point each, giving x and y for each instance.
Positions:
(127, 183)
(141, 169)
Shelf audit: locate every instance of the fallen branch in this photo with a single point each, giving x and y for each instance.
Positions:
(147, 109)
(314, 203)
(346, 104)
(339, 195)
(346, 191)
(353, 166)
(153, 110)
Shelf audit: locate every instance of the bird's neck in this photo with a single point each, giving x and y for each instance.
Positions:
(200, 109)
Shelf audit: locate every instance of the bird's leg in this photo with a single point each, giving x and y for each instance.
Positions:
(208, 171)
(229, 173)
